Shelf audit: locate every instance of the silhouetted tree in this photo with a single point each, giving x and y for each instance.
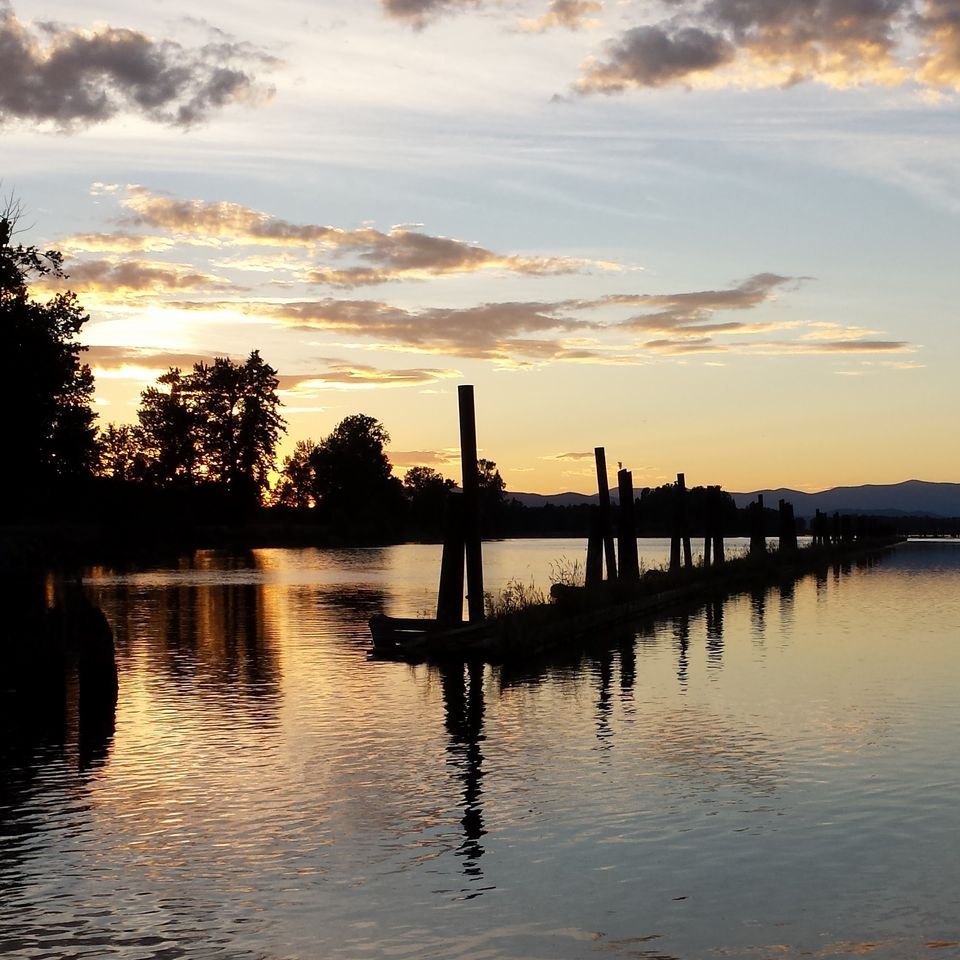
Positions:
(426, 491)
(166, 435)
(492, 492)
(238, 420)
(46, 394)
(120, 453)
(219, 425)
(295, 487)
(353, 480)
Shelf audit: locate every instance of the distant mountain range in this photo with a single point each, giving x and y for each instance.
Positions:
(910, 498)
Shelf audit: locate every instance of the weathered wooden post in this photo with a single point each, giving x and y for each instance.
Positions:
(788, 528)
(707, 527)
(593, 575)
(606, 527)
(676, 529)
(471, 502)
(718, 554)
(684, 530)
(450, 593)
(758, 539)
(627, 539)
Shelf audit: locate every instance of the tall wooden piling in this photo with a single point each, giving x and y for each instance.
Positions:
(450, 593)
(607, 528)
(627, 532)
(471, 502)
(684, 529)
(716, 499)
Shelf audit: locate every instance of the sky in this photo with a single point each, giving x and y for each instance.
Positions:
(712, 236)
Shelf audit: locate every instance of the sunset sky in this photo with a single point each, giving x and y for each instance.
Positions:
(716, 236)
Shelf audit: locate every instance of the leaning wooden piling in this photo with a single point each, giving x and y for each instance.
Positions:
(471, 503)
(604, 499)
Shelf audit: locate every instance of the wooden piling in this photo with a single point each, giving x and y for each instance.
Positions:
(593, 575)
(788, 528)
(471, 502)
(684, 530)
(717, 500)
(450, 593)
(627, 533)
(604, 514)
(758, 533)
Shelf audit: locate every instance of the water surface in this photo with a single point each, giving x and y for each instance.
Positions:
(774, 776)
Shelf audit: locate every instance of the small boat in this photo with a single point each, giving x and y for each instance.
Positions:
(422, 636)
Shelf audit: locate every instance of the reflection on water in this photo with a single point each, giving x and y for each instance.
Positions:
(773, 775)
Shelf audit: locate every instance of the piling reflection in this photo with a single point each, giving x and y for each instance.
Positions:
(681, 637)
(463, 704)
(604, 667)
(714, 615)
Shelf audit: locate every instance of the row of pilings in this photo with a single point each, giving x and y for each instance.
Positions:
(600, 541)
(612, 553)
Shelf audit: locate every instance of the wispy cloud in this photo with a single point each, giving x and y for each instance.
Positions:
(423, 458)
(518, 334)
(380, 257)
(120, 277)
(73, 78)
(352, 375)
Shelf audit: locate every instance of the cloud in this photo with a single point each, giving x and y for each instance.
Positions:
(569, 14)
(486, 331)
(399, 254)
(524, 334)
(778, 43)
(72, 77)
(341, 375)
(939, 25)
(114, 243)
(586, 455)
(692, 313)
(654, 56)
(142, 365)
(420, 12)
(133, 276)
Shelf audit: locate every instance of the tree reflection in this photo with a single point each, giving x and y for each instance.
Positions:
(57, 706)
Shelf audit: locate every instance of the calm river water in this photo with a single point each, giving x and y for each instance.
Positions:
(774, 777)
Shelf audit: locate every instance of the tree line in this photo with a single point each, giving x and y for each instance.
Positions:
(204, 444)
